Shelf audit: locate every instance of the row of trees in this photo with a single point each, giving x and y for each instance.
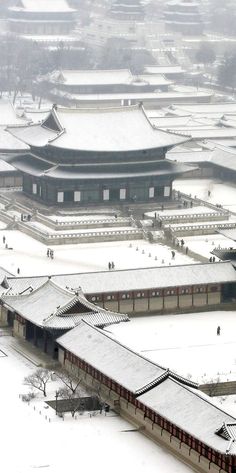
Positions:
(21, 61)
(223, 17)
(70, 390)
(225, 74)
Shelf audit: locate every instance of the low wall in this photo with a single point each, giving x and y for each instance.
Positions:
(225, 388)
(144, 425)
(88, 237)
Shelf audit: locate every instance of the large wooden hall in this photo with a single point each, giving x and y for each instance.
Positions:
(95, 156)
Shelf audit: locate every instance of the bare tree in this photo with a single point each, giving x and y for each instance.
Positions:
(38, 380)
(69, 381)
(73, 399)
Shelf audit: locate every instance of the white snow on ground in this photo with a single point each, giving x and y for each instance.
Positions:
(186, 343)
(30, 442)
(79, 218)
(220, 192)
(2, 225)
(31, 256)
(50, 231)
(204, 244)
(199, 209)
(228, 403)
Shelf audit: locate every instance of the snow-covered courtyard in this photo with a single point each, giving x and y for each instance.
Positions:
(185, 343)
(223, 193)
(204, 244)
(30, 256)
(29, 441)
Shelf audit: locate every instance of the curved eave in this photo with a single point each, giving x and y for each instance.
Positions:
(179, 140)
(75, 173)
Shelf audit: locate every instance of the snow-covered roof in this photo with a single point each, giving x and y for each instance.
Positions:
(8, 115)
(224, 157)
(160, 277)
(36, 116)
(6, 167)
(33, 135)
(156, 97)
(190, 156)
(92, 77)
(41, 303)
(207, 108)
(110, 357)
(54, 307)
(110, 130)
(35, 166)
(168, 69)
(202, 133)
(60, 6)
(166, 121)
(231, 234)
(191, 411)
(153, 79)
(10, 143)
(126, 280)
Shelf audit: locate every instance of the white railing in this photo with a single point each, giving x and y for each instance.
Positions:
(191, 216)
(202, 227)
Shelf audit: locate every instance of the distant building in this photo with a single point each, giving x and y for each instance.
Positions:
(90, 156)
(184, 16)
(127, 10)
(41, 18)
(105, 81)
(115, 87)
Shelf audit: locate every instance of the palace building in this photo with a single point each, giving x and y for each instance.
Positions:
(184, 16)
(165, 406)
(62, 311)
(199, 286)
(127, 10)
(41, 18)
(95, 156)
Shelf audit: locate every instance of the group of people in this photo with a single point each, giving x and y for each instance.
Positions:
(5, 243)
(212, 259)
(50, 253)
(111, 265)
(25, 218)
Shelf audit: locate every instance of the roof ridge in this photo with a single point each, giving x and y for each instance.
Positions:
(207, 398)
(102, 332)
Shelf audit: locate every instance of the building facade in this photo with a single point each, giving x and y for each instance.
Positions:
(184, 16)
(168, 408)
(97, 156)
(32, 17)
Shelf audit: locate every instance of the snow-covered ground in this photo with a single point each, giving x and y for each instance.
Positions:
(204, 244)
(199, 209)
(223, 193)
(31, 256)
(186, 343)
(101, 443)
(47, 230)
(228, 403)
(79, 218)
